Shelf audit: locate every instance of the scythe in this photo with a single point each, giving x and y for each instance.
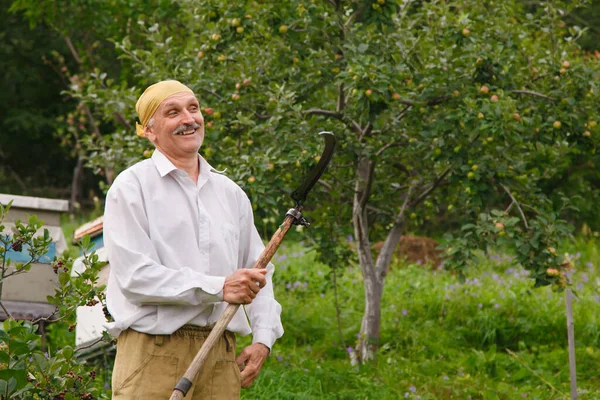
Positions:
(292, 217)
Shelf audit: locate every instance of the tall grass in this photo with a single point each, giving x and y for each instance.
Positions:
(493, 337)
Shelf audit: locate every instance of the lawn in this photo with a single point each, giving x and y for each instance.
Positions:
(493, 337)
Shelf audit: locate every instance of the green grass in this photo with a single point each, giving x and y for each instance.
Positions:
(439, 339)
(494, 337)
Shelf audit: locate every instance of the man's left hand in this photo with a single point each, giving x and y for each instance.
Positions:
(251, 361)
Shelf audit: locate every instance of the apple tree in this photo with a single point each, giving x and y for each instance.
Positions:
(467, 115)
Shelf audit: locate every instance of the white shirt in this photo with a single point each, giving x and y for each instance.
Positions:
(171, 243)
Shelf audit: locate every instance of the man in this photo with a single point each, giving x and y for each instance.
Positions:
(180, 238)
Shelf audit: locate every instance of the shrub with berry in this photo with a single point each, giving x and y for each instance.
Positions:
(30, 369)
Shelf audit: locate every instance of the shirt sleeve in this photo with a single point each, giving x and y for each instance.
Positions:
(134, 261)
(264, 312)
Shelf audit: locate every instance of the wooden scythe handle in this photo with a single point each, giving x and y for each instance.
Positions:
(188, 378)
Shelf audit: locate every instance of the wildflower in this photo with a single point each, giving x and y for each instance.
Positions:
(584, 277)
(580, 286)
(479, 305)
(589, 264)
(496, 306)
(446, 378)
(349, 349)
(279, 358)
(412, 389)
(404, 312)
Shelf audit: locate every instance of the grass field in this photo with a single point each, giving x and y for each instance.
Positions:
(494, 337)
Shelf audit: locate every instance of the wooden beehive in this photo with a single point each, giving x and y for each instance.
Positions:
(24, 295)
(91, 319)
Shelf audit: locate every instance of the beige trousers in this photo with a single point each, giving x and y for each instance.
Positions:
(148, 367)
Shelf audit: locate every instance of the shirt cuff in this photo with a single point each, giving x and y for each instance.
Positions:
(264, 336)
(213, 285)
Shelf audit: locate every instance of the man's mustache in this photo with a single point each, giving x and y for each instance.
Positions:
(183, 128)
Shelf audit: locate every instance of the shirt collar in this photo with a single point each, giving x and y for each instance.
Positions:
(165, 166)
(162, 163)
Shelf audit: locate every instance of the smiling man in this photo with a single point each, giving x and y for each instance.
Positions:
(181, 241)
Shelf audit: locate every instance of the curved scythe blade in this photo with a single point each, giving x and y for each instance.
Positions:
(299, 195)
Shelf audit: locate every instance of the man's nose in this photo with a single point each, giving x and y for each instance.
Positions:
(188, 118)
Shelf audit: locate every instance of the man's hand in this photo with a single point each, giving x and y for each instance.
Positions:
(243, 285)
(251, 361)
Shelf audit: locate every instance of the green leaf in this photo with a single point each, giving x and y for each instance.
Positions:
(41, 361)
(18, 377)
(63, 278)
(4, 336)
(490, 395)
(85, 242)
(67, 352)
(520, 375)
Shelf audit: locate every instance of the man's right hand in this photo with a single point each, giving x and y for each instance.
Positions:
(243, 285)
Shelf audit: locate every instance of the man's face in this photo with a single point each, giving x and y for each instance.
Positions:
(178, 128)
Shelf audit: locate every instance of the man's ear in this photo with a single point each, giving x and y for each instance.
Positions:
(149, 133)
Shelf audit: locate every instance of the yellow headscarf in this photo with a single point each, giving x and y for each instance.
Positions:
(152, 97)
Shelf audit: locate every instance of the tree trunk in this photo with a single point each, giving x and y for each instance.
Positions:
(371, 323)
(374, 273)
(76, 183)
(368, 340)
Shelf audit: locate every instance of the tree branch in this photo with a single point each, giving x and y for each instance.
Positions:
(517, 204)
(341, 103)
(365, 132)
(95, 342)
(366, 193)
(387, 146)
(400, 217)
(432, 186)
(532, 93)
(73, 49)
(316, 111)
(8, 315)
(333, 114)
(120, 118)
